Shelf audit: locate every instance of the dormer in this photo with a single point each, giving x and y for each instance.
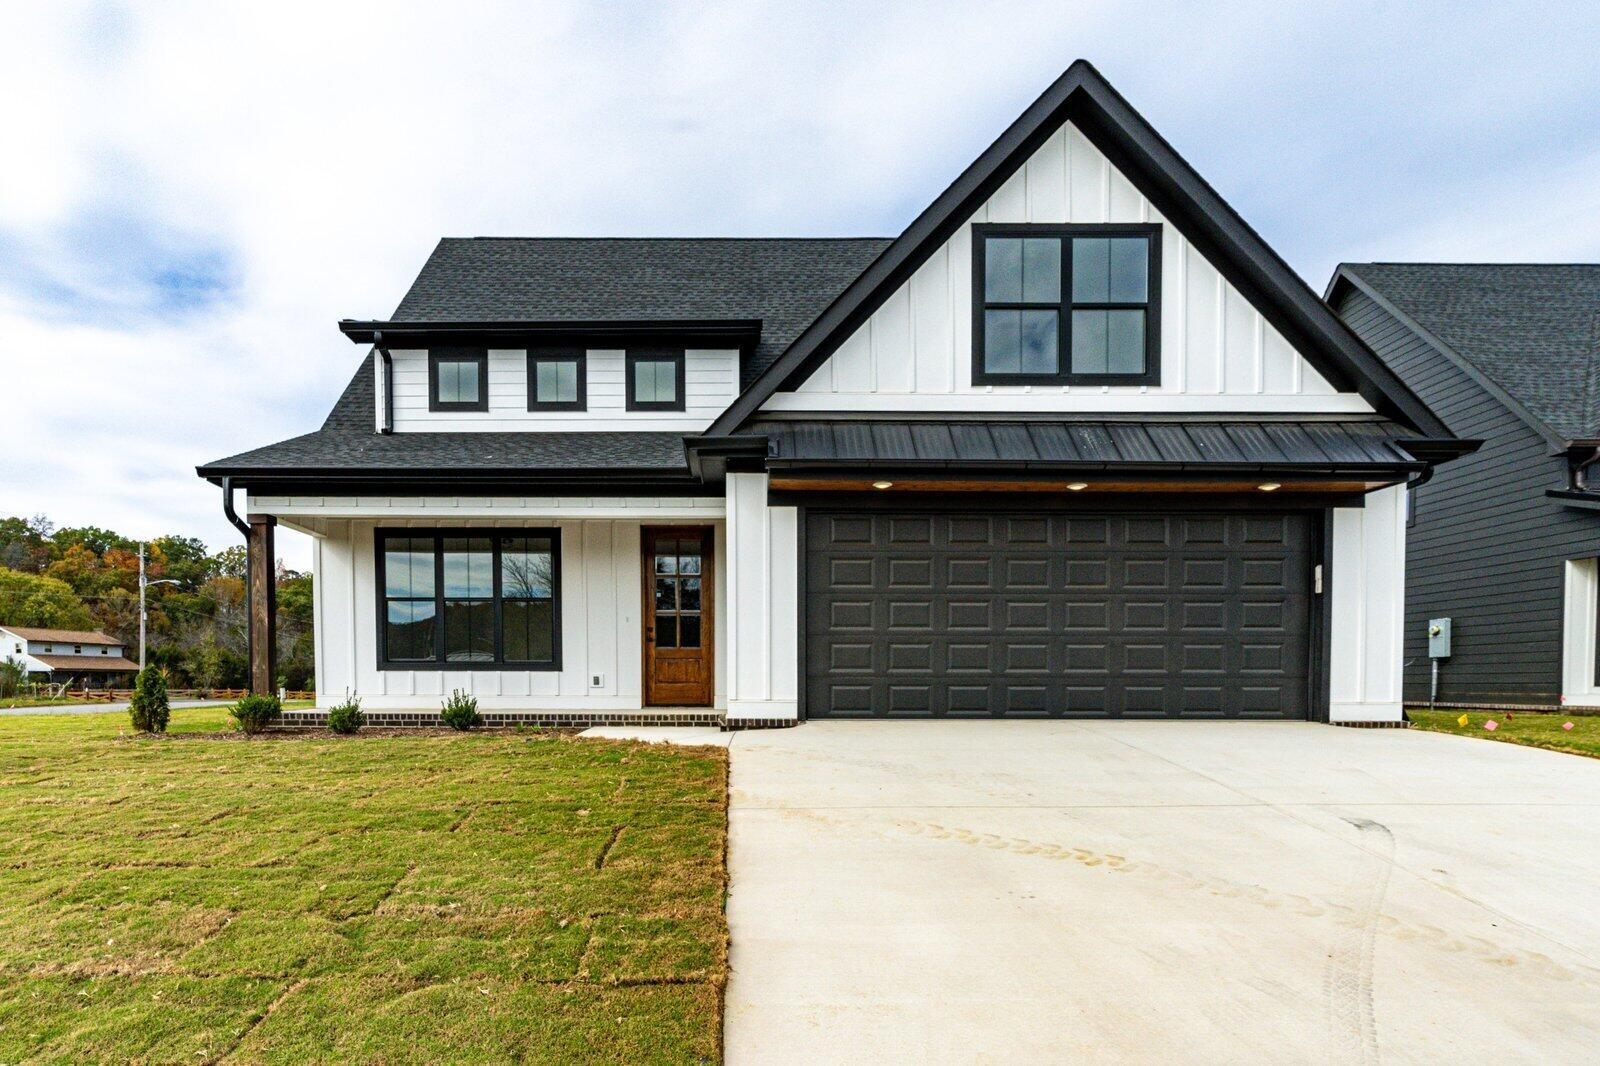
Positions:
(665, 375)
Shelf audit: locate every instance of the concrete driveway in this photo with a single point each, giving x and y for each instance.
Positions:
(1207, 892)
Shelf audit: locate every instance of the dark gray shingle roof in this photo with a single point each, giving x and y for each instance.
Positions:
(531, 453)
(786, 282)
(1091, 443)
(1531, 328)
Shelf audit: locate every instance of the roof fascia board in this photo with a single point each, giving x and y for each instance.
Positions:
(742, 332)
(1346, 274)
(1082, 95)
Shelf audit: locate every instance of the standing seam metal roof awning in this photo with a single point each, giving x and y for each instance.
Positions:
(1310, 445)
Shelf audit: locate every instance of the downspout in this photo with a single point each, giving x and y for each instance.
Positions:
(387, 425)
(243, 527)
(1578, 466)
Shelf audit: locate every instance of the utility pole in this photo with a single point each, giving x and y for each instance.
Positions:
(144, 614)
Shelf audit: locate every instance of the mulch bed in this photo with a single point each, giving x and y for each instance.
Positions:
(323, 733)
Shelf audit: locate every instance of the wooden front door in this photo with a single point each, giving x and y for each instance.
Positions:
(677, 617)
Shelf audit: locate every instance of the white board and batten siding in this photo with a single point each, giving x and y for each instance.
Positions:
(763, 564)
(601, 610)
(1367, 615)
(1218, 353)
(711, 381)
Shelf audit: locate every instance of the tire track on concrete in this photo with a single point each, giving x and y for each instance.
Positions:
(1347, 977)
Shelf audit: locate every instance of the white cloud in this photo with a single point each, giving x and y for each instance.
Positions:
(296, 162)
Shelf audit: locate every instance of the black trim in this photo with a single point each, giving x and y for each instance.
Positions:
(386, 423)
(741, 333)
(635, 356)
(1321, 673)
(1589, 501)
(558, 355)
(437, 535)
(458, 355)
(1151, 306)
(608, 483)
(982, 502)
(1180, 195)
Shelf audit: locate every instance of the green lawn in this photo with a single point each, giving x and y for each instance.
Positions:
(477, 898)
(1522, 727)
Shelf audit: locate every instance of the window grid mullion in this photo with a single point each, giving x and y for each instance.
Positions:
(1064, 327)
(495, 604)
(438, 597)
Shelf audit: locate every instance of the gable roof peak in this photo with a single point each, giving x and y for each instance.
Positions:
(1083, 96)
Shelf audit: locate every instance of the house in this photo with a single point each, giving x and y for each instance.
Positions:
(1076, 442)
(86, 659)
(1503, 544)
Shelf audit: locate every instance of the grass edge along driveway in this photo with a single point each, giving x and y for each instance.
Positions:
(1532, 728)
(484, 897)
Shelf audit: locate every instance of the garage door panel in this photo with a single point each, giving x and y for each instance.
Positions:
(912, 615)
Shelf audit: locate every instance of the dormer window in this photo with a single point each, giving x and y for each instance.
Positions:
(655, 379)
(458, 379)
(556, 380)
(1066, 305)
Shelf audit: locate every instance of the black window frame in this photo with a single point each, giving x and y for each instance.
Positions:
(458, 355)
(634, 357)
(438, 536)
(558, 355)
(1151, 231)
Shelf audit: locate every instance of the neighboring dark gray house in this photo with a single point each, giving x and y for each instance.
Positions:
(1503, 542)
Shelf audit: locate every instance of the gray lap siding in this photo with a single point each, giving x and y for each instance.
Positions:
(1487, 548)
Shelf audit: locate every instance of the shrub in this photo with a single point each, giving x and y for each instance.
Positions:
(346, 717)
(149, 708)
(13, 678)
(253, 713)
(460, 711)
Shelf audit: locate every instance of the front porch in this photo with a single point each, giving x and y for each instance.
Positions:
(555, 612)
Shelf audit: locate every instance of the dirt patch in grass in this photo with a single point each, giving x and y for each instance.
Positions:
(1533, 728)
(402, 895)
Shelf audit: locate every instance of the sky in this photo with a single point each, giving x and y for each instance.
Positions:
(192, 194)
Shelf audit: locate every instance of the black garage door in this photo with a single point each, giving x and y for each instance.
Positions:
(1036, 615)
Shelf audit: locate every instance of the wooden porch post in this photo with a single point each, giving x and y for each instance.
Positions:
(263, 606)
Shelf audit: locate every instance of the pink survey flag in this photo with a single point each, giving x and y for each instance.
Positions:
(1491, 725)
(1567, 726)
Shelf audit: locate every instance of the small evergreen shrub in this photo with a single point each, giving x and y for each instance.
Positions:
(149, 708)
(460, 711)
(347, 717)
(254, 713)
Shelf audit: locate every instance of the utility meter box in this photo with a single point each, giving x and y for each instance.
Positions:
(1438, 638)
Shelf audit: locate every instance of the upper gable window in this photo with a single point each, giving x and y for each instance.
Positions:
(556, 380)
(1057, 305)
(458, 379)
(655, 379)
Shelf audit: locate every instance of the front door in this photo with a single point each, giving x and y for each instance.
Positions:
(677, 617)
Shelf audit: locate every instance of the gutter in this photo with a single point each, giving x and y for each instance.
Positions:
(233, 516)
(244, 528)
(387, 425)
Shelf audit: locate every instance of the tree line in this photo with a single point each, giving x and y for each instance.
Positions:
(84, 577)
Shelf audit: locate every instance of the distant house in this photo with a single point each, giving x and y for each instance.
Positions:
(86, 659)
(1505, 543)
